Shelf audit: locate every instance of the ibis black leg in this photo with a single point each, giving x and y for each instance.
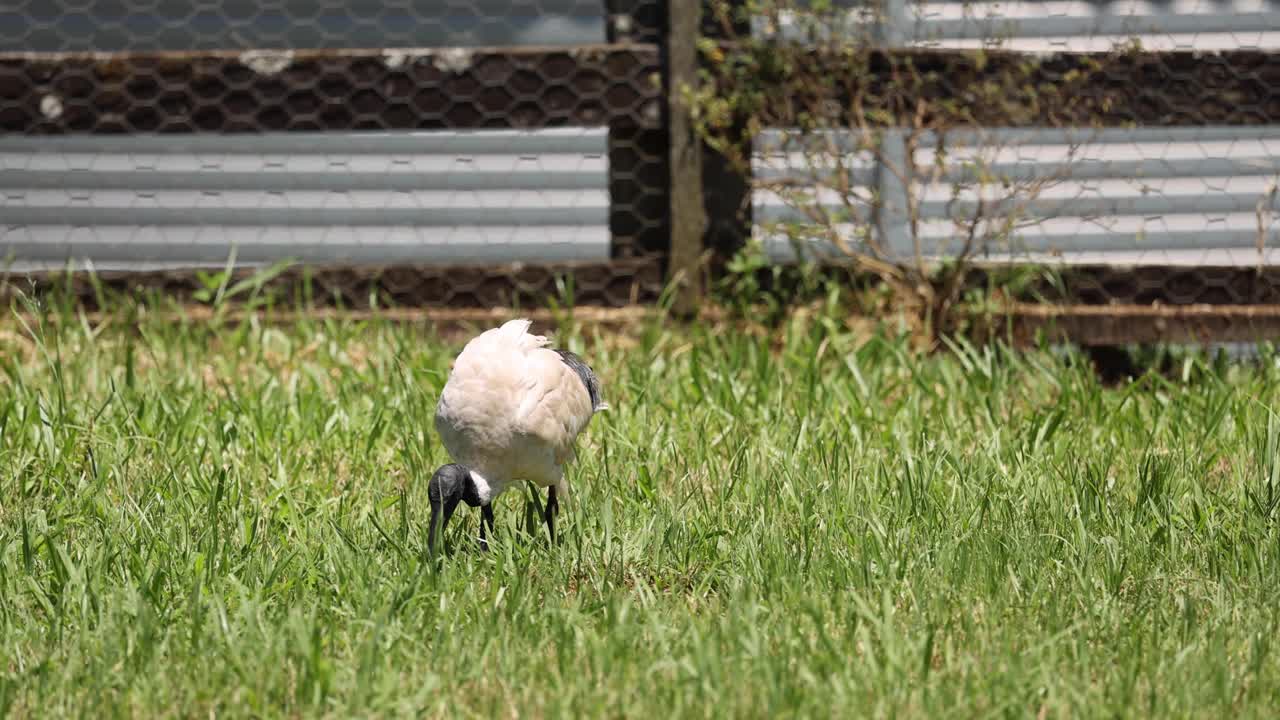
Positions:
(486, 518)
(553, 507)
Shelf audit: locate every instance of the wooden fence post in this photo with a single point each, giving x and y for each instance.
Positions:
(688, 213)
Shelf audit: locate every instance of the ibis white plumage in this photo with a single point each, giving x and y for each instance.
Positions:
(511, 410)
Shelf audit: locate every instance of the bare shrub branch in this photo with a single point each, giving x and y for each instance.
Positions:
(855, 118)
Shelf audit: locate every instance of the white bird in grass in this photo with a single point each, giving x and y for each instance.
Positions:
(511, 410)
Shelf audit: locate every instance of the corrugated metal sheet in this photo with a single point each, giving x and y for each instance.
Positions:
(1185, 195)
(1078, 25)
(1158, 195)
(113, 26)
(420, 197)
(1053, 25)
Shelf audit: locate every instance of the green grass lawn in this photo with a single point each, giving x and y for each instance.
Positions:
(199, 522)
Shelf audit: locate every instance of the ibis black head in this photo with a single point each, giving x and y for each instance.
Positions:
(450, 485)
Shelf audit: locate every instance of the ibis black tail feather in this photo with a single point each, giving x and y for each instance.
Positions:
(588, 377)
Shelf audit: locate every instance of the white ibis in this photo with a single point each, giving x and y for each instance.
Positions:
(511, 410)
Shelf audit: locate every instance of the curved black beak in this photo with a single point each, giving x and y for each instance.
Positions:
(440, 514)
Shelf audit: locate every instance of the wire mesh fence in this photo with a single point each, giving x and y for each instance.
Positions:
(1129, 147)
(492, 149)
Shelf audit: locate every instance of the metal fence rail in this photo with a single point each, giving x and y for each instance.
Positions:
(469, 197)
(1079, 25)
(1040, 25)
(187, 25)
(1163, 195)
